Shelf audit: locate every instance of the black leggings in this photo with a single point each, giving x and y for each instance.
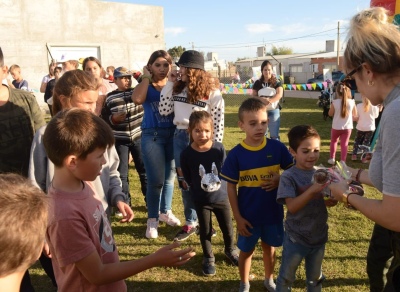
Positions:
(222, 212)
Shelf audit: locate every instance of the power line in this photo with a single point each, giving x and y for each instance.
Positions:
(268, 42)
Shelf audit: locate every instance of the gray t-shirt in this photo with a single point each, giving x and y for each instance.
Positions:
(309, 225)
(384, 170)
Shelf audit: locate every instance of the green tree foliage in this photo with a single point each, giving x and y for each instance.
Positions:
(281, 50)
(176, 52)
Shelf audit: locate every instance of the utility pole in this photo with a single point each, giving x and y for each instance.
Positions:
(338, 44)
(192, 45)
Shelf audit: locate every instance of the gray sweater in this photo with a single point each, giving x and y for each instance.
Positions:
(107, 185)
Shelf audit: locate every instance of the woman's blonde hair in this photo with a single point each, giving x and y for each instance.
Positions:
(199, 85)
(373, 40)
(344, 92)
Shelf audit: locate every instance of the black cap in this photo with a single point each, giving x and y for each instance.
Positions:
(191, 59)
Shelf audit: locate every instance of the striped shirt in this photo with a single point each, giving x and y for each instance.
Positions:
(120, 101)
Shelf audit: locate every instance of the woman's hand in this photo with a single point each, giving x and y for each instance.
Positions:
(338, 189)
(146, 71)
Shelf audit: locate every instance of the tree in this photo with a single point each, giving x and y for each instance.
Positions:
(176, 52)
(281, 50)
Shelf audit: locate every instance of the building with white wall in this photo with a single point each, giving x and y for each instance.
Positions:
(121, 34)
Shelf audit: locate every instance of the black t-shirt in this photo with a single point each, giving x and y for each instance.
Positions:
(190, 163)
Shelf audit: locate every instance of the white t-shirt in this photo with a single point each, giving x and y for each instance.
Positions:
(345, 123)
(366, 120)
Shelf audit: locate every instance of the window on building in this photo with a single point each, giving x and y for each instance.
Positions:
(331, 67)
(297, 68)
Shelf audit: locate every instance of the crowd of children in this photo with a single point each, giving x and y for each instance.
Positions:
(81, 161)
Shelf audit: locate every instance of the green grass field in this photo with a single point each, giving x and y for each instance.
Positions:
(349, 231)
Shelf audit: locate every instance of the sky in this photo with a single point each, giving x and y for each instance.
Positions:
(234, 29)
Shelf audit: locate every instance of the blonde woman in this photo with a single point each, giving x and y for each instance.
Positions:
(372, 58)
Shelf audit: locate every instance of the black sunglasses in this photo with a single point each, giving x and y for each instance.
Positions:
(349, 76)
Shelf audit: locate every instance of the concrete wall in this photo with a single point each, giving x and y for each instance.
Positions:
(126, 33)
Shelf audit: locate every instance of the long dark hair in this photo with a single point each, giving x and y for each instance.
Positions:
(271, 82)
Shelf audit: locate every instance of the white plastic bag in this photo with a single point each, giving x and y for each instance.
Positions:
(268, 92)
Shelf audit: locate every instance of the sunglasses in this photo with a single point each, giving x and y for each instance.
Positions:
(349, 76)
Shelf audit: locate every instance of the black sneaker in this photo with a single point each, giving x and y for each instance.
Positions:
(208, 268)
(213, 232)
(233, 257)
(185, 232)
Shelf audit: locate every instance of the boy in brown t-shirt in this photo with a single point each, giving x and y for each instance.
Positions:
(79, 234)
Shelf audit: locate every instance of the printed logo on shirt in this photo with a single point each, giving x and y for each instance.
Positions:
(103, 230)
(254, 177)
(185, 100)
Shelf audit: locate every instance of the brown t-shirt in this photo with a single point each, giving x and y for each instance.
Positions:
(78, 226)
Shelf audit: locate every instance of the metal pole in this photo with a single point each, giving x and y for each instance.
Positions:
(338, 44)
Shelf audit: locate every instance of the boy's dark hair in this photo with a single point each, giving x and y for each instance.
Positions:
(298, 134)
(75, 132)
(1, 58)
(252, 104)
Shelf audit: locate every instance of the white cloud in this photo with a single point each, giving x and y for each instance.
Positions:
(174, 30)
(294, 28)
(258, 28)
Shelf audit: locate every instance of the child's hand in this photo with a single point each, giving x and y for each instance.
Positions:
(168, 257)
(272, 182)
(46, 250)
(118, 117)
(126, 211)
(242, 226)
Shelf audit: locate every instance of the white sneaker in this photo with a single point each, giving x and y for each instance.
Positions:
(331, 161)
(152, 225)
(169, 218)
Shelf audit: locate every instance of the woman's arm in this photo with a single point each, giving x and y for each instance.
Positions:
(139, 94)
(277, 96)
(217, 104)
(384, 212)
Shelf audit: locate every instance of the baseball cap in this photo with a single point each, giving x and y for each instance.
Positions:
(121, 72)
(191, 59)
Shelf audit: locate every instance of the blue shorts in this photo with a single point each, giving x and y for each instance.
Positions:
(269, 234)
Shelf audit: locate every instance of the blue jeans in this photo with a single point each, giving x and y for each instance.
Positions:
(158, 158)
(181, 141)
(274, 122)
(292, 255)
(123, 149)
